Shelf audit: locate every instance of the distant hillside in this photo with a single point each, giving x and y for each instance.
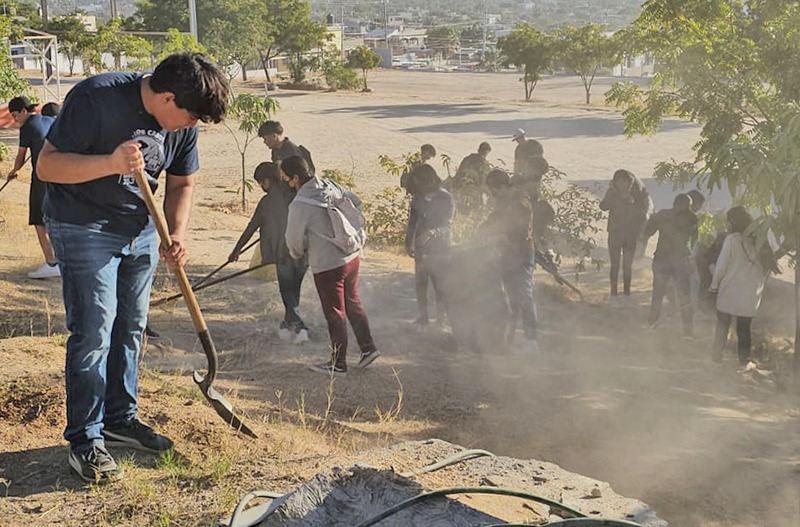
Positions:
(543, 13)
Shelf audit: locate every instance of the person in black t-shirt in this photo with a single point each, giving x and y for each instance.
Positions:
(110, 126)
(282, 147)
(31, 136)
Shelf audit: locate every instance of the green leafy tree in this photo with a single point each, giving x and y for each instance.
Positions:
(365, 59)
(723, 64)
(445, 40)
(530, 50)
(251, 111)
(584, 50)
(286, 27)
(11, 84)
(337, 74)
(72, 37)
(111, 39)
(176, 42)
(233, 36)
(26, 14)
(161, 15)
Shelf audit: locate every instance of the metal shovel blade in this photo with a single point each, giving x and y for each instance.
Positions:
(222, 406)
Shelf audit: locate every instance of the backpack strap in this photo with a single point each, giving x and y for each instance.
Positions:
(309, 201)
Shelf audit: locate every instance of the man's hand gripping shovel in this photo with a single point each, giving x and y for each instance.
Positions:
(218, 402)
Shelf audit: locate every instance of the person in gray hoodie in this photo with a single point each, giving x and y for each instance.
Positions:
(310, 230)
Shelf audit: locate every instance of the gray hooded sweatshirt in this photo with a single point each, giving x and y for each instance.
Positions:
(309, 228)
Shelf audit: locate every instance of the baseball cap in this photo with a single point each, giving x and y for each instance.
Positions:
(520, 132)
(17, 104)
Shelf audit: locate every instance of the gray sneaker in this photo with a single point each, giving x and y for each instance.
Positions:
(135, 434)
(94, 464)
(368, 358)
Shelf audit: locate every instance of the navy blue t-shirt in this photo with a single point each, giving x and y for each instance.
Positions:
(99, 114)
(32, 134)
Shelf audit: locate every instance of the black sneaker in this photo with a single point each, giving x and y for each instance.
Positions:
(138, 435)
(329, 369)
(368, 358)
(94, 464)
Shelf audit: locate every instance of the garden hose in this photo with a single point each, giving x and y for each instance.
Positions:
(237, 512)
(452, 460)
(469, 490)
(574, 522)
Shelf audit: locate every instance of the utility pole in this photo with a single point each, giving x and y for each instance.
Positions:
(386, 33)
(485, 22)
(45, 16)
(114, 10)
(193, 18)
(341, 24)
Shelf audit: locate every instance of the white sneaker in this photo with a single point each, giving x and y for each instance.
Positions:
(301, 336)
(285, 334)
(747, 368)
(45, 271)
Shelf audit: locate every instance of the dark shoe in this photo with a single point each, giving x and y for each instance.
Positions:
(94, 464)
(138, 435)
(329, 369)
(150, 333)
(368, 358)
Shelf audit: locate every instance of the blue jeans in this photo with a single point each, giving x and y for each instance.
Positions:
(106, 282)
(518, 283)
(290, 279)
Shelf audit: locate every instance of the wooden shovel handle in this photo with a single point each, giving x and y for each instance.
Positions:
(180, 274)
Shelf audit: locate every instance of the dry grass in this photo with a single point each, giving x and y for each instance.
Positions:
(203, 478)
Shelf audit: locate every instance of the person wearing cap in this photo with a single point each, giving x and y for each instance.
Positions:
(526, 150)
(112, 126)
(270, 219)
(33, 129)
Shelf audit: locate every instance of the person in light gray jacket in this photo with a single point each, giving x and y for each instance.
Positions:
(310, 230)
(739, 278)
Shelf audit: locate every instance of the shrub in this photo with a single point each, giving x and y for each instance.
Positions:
(387, 217)
(577, 218)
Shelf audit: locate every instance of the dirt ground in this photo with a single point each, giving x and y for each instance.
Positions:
(644, 410)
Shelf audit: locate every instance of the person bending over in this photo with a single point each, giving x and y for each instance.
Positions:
(311, 231)
(105, 242)
(270, 219)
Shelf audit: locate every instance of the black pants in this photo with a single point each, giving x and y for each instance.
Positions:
(423, 273)
(679, 273)
(742, 334)
(621, 248)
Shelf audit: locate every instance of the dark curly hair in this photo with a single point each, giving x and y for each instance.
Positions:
(197, 83)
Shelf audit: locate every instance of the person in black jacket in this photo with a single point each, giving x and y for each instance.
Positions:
(626, 202)
(677, 231)
(428, 235)
(270, 218)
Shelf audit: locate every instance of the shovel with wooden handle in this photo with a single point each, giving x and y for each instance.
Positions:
(221, 267)
(218, 402)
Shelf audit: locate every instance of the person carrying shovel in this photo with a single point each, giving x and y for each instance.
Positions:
(110, 127)
(270, 219)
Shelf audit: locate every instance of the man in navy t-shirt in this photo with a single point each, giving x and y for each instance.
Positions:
(110, 126)
(33, 129)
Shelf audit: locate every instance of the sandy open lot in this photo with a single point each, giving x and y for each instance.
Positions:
(645, 411)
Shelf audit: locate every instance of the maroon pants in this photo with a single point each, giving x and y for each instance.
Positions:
(338, 294)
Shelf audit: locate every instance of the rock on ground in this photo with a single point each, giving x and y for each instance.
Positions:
(382, 478)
